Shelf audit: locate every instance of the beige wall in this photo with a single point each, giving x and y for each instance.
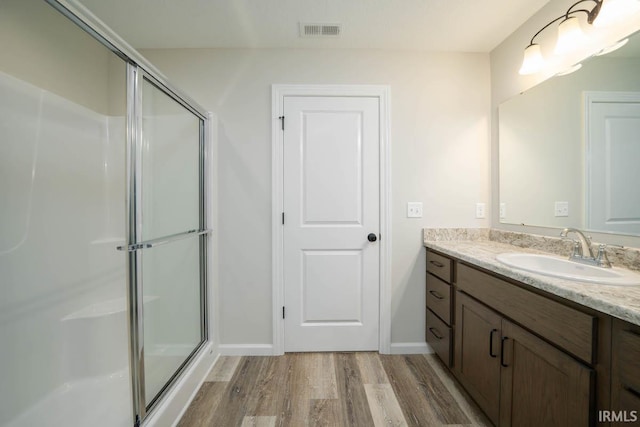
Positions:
(440, 155)
(506, 83)
(41, 47)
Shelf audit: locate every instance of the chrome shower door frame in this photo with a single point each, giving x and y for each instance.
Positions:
(136, 76)
(138, 68)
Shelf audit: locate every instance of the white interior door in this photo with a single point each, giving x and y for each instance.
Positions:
(613, 145)
(331, 205)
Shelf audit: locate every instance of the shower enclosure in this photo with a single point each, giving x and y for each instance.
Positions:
(103, 226)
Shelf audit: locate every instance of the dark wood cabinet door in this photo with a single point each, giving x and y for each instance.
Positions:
(541, 385)
(477, 358)
(625, 376)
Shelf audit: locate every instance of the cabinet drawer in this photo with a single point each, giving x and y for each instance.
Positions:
(629, 359)
(568, 328)
(439, 265)
(439, 298)
(439, 337)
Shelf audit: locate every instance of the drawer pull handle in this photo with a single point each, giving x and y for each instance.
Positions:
(491, 343)
(437, 335)
(435, 294)
(504, 365)
(632, 391)
(637, 334)
(437, 264)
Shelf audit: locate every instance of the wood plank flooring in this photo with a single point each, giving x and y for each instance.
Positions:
(332, 390)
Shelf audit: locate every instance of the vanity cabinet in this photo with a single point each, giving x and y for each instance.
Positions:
(477, 362)
(571, 329)
(525, 356)
(625, 375)
(514, 376)
(439, 306)
(541, 385)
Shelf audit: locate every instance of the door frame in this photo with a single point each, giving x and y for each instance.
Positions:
(278, 92)
(590, 98)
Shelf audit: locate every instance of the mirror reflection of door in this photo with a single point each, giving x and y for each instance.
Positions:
(542, 151)
(612, 144)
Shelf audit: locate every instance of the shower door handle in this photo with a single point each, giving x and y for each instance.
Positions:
(148, 244)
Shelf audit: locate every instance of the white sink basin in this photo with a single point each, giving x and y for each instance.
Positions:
(561, 267)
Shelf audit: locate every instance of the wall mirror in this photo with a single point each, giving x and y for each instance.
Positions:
(570, 148)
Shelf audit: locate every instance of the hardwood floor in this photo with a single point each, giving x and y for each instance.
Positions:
(332, 390)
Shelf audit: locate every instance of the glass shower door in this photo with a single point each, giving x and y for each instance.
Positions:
(170, 230)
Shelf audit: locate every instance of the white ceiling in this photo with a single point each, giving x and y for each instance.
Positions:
(430, 25)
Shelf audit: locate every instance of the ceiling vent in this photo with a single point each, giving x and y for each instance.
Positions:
(320, 30)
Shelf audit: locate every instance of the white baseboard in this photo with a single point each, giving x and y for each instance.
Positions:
(410, 348)
(269, 350)
(246, 350)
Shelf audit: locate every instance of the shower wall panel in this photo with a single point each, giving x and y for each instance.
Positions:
(85, 339)
(63, 324)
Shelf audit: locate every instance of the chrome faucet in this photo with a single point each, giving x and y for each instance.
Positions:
(582, 246)
(582, 251)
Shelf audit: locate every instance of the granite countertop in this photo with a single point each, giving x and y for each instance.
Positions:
(622, 302)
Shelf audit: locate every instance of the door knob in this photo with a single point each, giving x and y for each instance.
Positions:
(372, 237)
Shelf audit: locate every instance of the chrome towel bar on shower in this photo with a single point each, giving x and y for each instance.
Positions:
(161, 240)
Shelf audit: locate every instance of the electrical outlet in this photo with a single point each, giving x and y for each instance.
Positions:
(414, 210)
(503, 210)
(561, 209)
(480, 210)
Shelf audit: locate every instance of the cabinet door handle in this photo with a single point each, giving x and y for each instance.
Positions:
(504, 365)
(491, 343)
(436, 294)
(437, 264)
(433, 331)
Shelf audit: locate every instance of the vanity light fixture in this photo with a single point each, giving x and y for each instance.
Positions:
(570, 35)
(533, 60)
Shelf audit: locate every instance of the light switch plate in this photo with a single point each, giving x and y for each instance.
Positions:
(561, 209)
(503, 210)
(414, 210)
(480, 210)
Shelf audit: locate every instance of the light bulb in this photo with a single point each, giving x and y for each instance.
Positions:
(533, 61)
(570, 36)
(614, 11)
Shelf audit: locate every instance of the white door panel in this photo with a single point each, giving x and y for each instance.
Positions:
(614, 150)
(331, 169)
(331, 204)
(326, 274)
